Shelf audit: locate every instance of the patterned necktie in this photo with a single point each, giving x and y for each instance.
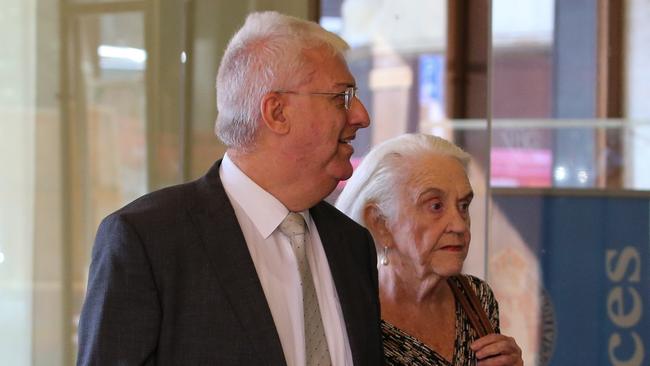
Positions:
(317, 353)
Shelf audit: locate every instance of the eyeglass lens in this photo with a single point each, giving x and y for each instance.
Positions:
(350, 93)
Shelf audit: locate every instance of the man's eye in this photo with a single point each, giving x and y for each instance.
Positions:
(340, 101)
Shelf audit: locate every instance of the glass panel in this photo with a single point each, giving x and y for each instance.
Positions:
(399, 57)
(522, 88)
(30, 185)
(209, 24)
(74, 146)
(569, 219)
(17, 146)
(110, 135)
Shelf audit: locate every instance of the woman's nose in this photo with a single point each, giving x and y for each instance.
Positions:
(458, 223)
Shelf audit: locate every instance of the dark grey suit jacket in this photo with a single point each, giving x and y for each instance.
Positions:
(172, 283)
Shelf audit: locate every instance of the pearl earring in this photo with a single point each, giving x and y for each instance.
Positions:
(384, 257)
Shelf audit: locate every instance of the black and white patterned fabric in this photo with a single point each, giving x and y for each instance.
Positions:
(401, 348)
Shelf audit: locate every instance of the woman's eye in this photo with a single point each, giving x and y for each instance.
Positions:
(464, 206)
(436, 206)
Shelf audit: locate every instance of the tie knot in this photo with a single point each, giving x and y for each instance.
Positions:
(293, 225)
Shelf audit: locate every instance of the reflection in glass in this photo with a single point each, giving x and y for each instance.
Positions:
(110, 137)
(397, 57)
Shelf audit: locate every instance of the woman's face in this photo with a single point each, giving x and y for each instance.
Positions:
(431, 231)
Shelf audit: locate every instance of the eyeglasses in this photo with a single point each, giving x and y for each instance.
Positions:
(348, 95)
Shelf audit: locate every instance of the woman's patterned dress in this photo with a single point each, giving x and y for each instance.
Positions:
(403, 349)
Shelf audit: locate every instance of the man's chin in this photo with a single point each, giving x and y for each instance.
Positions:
(344, 171)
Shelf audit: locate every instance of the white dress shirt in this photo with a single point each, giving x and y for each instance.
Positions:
(259, 215)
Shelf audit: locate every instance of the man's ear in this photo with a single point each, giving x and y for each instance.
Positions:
(377, 225)
(272, 108)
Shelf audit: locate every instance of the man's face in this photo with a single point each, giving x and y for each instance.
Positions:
(321, 127)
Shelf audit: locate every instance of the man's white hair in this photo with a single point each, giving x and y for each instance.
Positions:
(266, 54)
(375, 180)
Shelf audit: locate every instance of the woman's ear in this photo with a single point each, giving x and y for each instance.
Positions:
(273, 116)
(377, 225)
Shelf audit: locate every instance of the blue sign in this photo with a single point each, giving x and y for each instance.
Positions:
(594, 254)
(431, 77)
(431, 85)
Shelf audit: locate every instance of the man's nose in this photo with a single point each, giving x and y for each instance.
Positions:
(357, 114)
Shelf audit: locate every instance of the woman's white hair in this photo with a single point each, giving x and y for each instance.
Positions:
(266, 54)
(375, 179)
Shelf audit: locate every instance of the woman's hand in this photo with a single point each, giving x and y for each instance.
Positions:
(497, 350)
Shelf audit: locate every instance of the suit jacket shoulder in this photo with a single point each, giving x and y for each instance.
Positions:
(172, 283)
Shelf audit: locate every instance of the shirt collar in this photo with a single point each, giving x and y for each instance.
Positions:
(264, 210)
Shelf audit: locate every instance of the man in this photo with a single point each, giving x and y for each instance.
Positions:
(206, 273)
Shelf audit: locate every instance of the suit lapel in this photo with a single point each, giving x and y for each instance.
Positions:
(227, 250)
(341, 262)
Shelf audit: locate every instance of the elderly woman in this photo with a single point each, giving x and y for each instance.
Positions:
(413, 195)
